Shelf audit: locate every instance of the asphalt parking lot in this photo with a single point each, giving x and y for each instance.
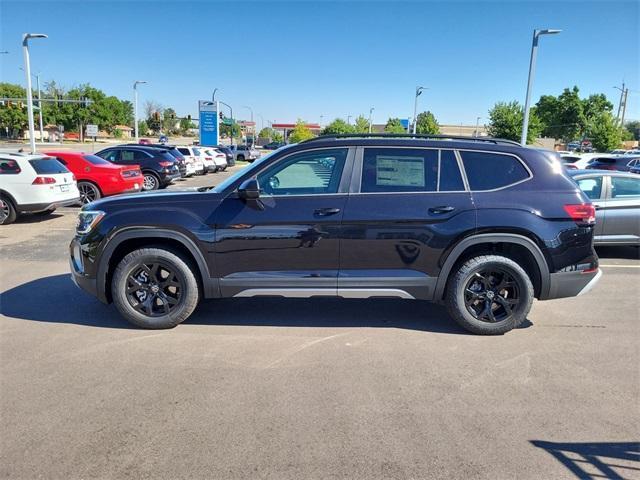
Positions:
(358, 389)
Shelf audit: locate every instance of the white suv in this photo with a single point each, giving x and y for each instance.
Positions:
(193, 160)
(34, 184)
(215, 160)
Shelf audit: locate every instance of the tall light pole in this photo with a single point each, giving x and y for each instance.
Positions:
(135, 106)
(37, 77)
(415, 107)
(261, 122)
(213, 96)
(532, 69)
(349, 119)
(370, 116)
(477, 126)
(27, 71)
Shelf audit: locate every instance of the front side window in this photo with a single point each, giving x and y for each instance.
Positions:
(592, 186)
(624, 187)
(488, 170)
(139, 155)
(399, 170)
(316, 172)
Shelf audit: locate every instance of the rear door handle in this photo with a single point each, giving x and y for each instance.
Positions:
(325, 212)
(442, 209)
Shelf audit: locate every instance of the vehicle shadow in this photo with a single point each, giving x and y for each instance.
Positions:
(55, 299)
(611, 459)
(34, 218)
(623, 252)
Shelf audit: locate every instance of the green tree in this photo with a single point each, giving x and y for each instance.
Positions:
(505, 121)
(186, 125)
(427, 124)
(594, 105)
(566, 117)
(300, 133)
(13, 118)
(603, 132)
(270, 134)
(338, 127)
(169, 120)
(394, 126)
(228, 130)
(361, 124)
(143, 128)
(633, 127)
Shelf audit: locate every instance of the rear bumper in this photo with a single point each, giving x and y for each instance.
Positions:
(41, 207)
(170, 177)
(572, 284)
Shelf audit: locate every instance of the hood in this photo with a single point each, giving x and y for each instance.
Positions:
(157, 198)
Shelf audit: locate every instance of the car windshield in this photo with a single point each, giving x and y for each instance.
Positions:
(251, 168)
(96, 160)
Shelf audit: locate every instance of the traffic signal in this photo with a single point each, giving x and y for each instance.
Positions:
(221, 116)
(156, 116)
(189, 117)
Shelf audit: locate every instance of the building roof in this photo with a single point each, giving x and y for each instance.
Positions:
(123, 127)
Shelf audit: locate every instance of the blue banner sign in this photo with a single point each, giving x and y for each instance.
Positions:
(209, 131)
(405, 123)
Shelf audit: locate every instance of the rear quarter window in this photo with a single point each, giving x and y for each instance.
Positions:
(489, 170)
(48, 165)
(9, 167)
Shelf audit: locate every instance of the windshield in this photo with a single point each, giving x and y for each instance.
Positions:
(251, 168)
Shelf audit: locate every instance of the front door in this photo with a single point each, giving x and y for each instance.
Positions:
(286, 243)
(407, 205)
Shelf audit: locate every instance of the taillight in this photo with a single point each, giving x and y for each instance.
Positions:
(584, 213)
(166, 164)
(209, 158)
(43, 181)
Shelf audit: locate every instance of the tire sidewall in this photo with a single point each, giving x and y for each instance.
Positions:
(156, 181)
(95, 189)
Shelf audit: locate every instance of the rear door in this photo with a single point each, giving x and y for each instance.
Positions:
(622, 210)
(405, 207)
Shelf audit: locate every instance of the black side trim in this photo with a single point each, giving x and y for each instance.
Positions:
(210, 285)
(494, 238)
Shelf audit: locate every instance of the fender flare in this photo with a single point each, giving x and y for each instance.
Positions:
(210, 288)
(493, 238)
(10, 197)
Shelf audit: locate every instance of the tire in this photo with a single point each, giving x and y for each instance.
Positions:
(149, 306)
(150, 181)
(240, 158)
(8, 212)
(88, 192)
(474, 308)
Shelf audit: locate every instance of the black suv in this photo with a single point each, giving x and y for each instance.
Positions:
(482, 225)
(158, 165)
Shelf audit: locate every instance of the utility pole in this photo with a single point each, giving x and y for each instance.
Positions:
(624, 106)
(621, 102)
(27, 72)
(349, 119)
(477, 126)
(370, 116)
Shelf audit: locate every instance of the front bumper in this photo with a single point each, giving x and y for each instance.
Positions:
(572, 284)
(79, 277)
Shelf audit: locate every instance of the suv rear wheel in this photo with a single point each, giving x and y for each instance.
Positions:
(241, 158)
(154, 288)
(150, 181)
(489, 295)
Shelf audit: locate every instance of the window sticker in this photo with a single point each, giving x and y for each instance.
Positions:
(399, 171)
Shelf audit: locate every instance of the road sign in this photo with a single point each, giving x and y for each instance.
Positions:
(209, 131)
(405, 123)
(91, 131)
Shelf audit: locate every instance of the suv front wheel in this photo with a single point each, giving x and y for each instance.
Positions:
(154, 288)
(489, 295)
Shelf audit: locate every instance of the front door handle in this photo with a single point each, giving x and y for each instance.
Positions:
(325, 212)
(442, 209)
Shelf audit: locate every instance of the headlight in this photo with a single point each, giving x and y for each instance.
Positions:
(87, 220)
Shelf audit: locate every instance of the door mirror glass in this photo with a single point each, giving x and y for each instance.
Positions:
(249, 190)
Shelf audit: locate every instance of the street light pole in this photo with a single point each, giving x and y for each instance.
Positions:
(230, 113)
(40, 107)
(349, 119)
(532, 69)
(415, 107)
(135, 106)
(27, 72)
(477, 125)
(370, 115)
(213, 96)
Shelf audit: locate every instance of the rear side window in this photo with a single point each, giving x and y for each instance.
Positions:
(9, 167)
(622, 187)
(49, 166)
(488, 171)
(592, 186)
(399, 170)
(184, 151)
(95, 160)
(450, 176)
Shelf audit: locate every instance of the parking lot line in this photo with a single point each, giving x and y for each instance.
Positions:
(620, 266)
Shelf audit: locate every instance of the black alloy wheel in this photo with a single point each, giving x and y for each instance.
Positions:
(154, 289)
(491, 295)
(88, 192)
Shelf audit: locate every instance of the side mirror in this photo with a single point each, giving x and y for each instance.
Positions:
(249, 190)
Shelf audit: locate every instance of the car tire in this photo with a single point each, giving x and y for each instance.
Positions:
(150, 181)
(240, 158)
(150, 305)
(489, 295)
(8, 212)
(88, 192)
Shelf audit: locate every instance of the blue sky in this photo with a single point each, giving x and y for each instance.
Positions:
(304, 59)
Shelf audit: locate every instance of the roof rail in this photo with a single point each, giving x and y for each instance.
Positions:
(421, 136)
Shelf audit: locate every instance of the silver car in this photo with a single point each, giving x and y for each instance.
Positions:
(616, 196)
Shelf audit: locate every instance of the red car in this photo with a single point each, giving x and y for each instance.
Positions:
(97, 177)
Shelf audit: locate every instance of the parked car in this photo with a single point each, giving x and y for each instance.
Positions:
(33, 184)
(273, 145)
(216, 160)
(97, 177)
(619, 151)
(159, 167)
(635, 151)
(195, 164)
(616, 197)
(228, 153)
(635, 168)
(244, 152)
(619, 163)
(180, 160)
(354, 217)
(144, 141)
(569, 161)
